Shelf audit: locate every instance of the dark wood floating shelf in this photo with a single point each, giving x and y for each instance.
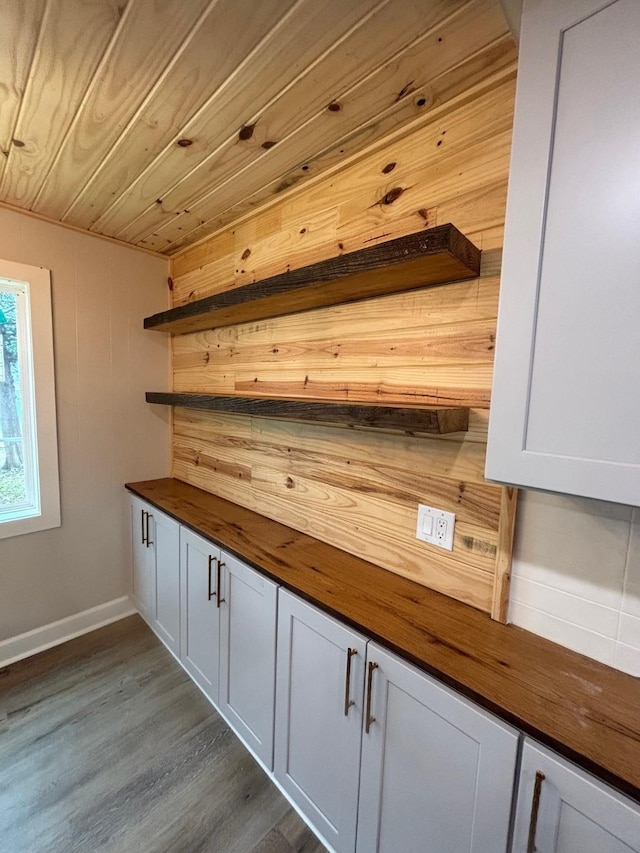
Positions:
(435, 256)
(434, 420)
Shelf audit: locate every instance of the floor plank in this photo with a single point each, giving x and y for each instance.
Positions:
(106, 745)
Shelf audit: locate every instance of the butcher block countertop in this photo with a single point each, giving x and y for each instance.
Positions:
(584, 709)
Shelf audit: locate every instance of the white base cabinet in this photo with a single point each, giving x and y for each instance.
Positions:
(319, 713)
(376, 755)
(143, 570)
(166, 546)
(200, 572)
(248, 611)
(422, 768)
(562, 809)
(437, 772)
(155, 544)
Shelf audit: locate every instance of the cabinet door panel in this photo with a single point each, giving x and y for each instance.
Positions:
(576, 812)
(141, 560)
(166, 546)
(317, 750)
(200, 615)
(437, 772)
(565, 407)
(248, 655)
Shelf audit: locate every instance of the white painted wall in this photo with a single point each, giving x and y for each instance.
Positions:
(107, 434)
(576, 576)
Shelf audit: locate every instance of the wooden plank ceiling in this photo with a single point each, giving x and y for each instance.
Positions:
(159, 121)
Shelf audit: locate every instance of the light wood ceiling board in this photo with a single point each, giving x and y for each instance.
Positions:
(432, 176)
(73, 38)
(348, 59)
(297, 207)
(147, 38)
(204, 60)
(18, 38)
(385, 99)
(288, 52)
(323, 164)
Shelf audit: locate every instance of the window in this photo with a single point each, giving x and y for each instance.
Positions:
(29, 490)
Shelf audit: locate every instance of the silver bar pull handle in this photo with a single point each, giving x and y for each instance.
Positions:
(348, 702)
(219, 581)
(369, 718)
(210, 591)
(535, 808)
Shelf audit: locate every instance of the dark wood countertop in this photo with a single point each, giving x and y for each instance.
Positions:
(587, 711)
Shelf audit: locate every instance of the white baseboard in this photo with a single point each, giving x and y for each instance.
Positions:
(32, 642)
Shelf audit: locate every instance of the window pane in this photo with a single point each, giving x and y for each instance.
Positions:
(16, 474)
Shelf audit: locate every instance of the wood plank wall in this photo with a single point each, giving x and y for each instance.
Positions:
(359, 490)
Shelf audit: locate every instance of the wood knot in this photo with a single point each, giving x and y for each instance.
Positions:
(245, 254)
(405, 91)
(184, 143)
(392, 195)
(246, 132)
(18, 143)
(170, 283)
(289, 483)
(268, 143)
(334, 107)
(388, 168)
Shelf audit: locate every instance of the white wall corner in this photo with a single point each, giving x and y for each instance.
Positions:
(30, 643)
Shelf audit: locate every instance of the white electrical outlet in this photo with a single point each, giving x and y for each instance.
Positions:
(435, 526)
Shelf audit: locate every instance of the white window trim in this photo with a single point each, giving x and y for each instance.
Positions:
(39, 281)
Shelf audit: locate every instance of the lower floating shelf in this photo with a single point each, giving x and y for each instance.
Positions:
(433, 420)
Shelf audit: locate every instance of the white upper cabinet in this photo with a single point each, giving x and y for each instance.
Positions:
(565, 410)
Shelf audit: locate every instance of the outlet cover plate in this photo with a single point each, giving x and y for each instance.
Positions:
(436, 526)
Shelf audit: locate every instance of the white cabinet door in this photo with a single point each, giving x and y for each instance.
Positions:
(562, 809)
(319, 718)
(437, 771)
(165, 541)
(200, 616)
(248, 611)
(142, 559)
(565, 405)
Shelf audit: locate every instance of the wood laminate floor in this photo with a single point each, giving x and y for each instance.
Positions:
(106, 745)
